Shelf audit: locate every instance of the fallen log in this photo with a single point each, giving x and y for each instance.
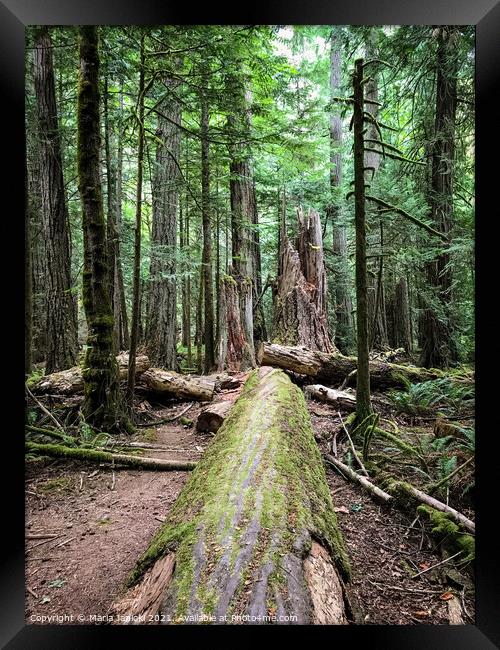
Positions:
(212, 416)
(69, 382)
(447, 523)
(167, 382)
(340, 399)
(399, 492)
(334, 368)
(253, 536)
(94, 456)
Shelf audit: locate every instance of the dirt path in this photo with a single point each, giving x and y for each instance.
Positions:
(104, 520)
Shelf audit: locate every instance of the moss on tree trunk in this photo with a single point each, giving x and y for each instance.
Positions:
(100, 371)
(254, 527)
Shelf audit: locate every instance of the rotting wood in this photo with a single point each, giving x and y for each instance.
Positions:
(334, 368)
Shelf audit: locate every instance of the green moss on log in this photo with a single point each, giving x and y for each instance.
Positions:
(262, 471)
(449, 533)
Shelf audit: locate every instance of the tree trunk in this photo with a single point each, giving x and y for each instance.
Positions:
(277, 552)
(100, 373)
(334, 368)
(300, 302)
(401, 317)
(136, 293)
(209, 359)
(162, 307)
(111, 233)
(363, 405)
(344, 339)
(61, 323)
(438, 348)
(28, 282)
(234, 351)
(121, 316)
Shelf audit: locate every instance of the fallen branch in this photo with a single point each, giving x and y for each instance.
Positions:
(354, 452)
(93, 456)
(45, 410)
(362, 480)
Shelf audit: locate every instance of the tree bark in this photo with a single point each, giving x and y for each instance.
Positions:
(61, 323)
(277, 552)
(162, 307)
(100, 373)
(234, 351)
(111, 234)
(28, 283)
(300, 302)
(334, 368)
(438, 348)
(401, 317)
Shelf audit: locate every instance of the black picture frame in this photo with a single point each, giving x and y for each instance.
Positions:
(485, 14)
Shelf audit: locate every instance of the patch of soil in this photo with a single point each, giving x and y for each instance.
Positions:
(103, 520)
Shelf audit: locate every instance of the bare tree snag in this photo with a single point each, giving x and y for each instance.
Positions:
(254, 531)
(234, 352)
(334, 368)
(300, 303)
(212, 416)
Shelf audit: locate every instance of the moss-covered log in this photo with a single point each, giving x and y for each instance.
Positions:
(334, 368)
(70, 382)
(253, 535)
(96, 456)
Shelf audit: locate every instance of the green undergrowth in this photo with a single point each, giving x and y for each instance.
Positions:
(268, 429)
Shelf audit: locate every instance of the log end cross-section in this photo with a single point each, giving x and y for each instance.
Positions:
(253, 533)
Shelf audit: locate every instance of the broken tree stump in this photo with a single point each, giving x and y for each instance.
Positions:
(253, 534)
(300, 314)
(212, 416)
(334, 368)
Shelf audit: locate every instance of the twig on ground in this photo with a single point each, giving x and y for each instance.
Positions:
(436, 565)
(166, 420)
(355, 454)
(46, 411)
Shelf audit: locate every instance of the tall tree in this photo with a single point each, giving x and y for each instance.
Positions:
(162, 307)
(136, 297)
(61, 323)
(344, 329)
(209, 359)
(28, 283)
(363, 401)
(100, 372)
(438, 349)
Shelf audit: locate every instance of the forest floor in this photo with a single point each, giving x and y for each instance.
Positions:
(102, 520)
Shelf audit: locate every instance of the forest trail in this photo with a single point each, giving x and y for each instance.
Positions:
(104, 520)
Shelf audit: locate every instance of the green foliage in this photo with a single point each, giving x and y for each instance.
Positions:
(444, 395)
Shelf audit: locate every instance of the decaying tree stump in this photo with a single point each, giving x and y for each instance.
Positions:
(234, 350)
(334, 368)
(300, 316)
(212, 416)
(253, 536)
